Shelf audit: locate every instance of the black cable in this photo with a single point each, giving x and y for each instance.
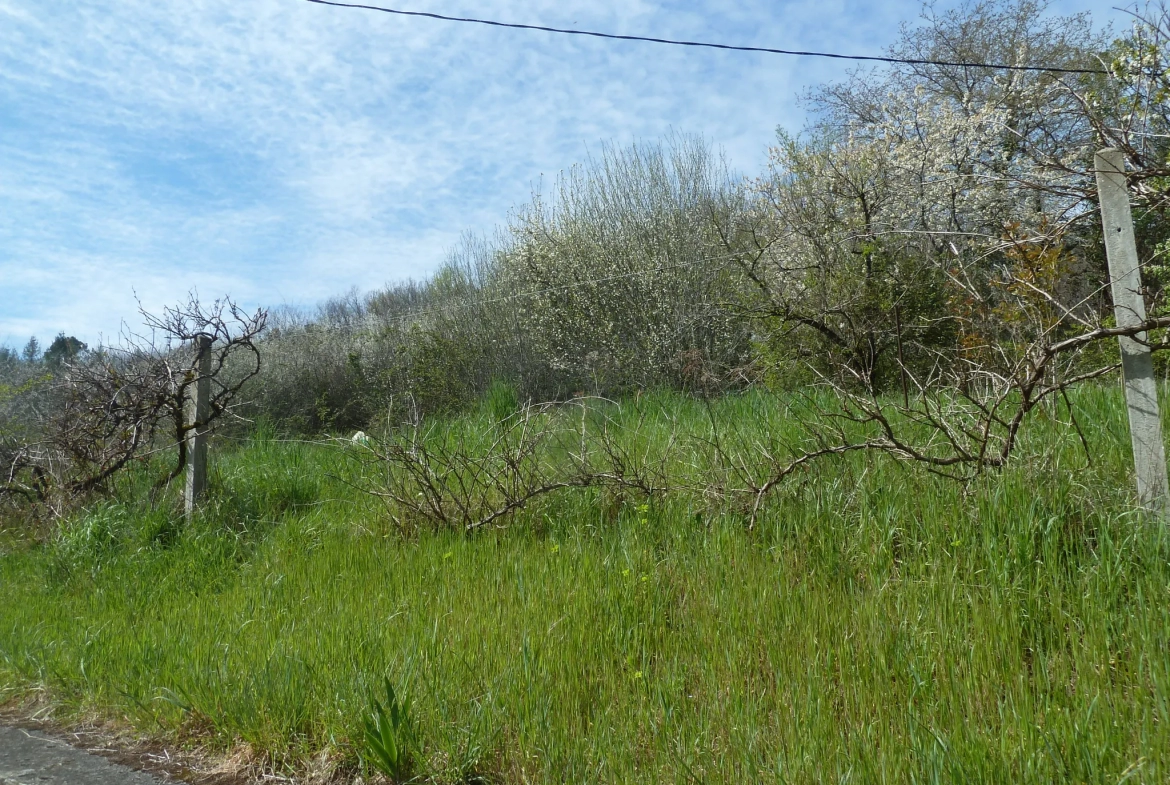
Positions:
(765, 50)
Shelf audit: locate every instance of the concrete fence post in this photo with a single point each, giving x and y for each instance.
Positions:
(198, 409)
(1129, 308)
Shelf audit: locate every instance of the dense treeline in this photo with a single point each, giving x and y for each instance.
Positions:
(927, 217)
(618, 281)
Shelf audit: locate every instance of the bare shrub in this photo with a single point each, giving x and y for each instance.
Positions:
(468, 475)
(115, 405)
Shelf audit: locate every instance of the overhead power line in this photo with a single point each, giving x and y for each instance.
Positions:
(707, 45)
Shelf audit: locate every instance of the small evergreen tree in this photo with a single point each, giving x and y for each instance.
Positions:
(32, 350)
(63, 349)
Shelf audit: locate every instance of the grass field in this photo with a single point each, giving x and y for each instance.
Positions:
(877, 624)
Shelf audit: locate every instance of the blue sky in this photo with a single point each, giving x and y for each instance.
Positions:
(282, 152)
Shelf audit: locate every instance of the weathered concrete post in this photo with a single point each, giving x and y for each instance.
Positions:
(1129, 308)
(198, 408)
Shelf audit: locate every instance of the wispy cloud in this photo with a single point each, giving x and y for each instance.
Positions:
(283, 151)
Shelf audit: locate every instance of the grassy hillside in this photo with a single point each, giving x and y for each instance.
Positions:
(877, 624)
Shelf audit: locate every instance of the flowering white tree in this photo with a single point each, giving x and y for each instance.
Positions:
(622, 282)
(934, 250)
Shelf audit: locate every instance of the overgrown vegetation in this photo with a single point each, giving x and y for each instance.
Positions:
(80, 419)
(875, 623)
(680, 477)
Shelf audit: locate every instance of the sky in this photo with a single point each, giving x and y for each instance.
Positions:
(282, 152)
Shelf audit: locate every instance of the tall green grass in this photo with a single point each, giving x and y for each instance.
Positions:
(877, 624)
